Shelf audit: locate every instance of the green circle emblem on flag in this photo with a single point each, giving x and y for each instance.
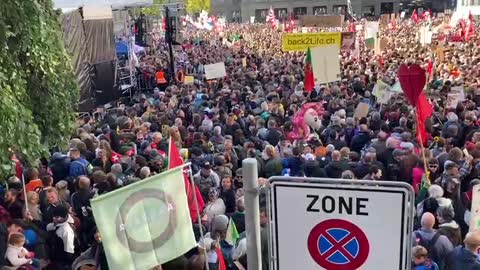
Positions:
(127, 220)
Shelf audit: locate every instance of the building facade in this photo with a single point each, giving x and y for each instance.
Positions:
(257, 10)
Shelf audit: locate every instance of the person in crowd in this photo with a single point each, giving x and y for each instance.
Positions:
(78, 165)
(33, 205)
(465, 256)
(13, 203)
(18, 256)
(227, 193)
(420, 260)
(32, 178)
(206, 179)
(215, 205)
(337, 166)
(438, 245)
(53, 203)
(448, 226)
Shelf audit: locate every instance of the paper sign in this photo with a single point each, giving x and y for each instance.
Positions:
(425, 36)
(321, 20)
(348, 41)
(371, 29)
(214, 71)
(402, 15)
(301, 42)
(326, 64)
(252, 19)
(189, 80)
(361, 110)
(244, 62)
(475, 213)
(460, 91)
(452, 100)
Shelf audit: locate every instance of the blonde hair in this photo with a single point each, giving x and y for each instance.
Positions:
(16, 239)
(31, 195)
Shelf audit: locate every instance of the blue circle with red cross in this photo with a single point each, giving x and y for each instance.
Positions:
(337, 244)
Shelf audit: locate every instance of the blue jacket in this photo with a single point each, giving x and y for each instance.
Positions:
(461, 258)
(78, 167)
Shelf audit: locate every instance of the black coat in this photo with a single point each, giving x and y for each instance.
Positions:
(359, 141)
(336, 168)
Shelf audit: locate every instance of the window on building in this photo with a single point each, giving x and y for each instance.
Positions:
(339, 9)
(386, 8)
(319, 10)
(261, 15)
(281, 14)
(368, 10)
(298, 11)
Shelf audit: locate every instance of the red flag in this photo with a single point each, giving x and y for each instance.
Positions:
(352, 27)
(309, 79)
(471, 27)
(423, 112)
(292, 22)
(115, 157)
(430, 69)
(221, 260)
(412, 79)
(175, 160)
(463, 28)
(415, 16)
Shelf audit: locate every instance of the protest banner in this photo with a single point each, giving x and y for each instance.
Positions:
(189, 80)
(460, 91)
(128, 220)
(382, 92)
(214, 71)
(321, 20)
(361, 110)
(348, 41)
(425, 36)
(371, 29)
(301, 42)
(326, 64)
(452, 100)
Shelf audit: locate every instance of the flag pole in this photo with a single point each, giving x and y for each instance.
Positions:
(24, 192)
(199, 218)
(422, 148)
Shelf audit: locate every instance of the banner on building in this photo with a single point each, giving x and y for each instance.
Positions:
(321, 20)
(301, 42)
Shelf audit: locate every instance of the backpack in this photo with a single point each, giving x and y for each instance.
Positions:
(429, 245)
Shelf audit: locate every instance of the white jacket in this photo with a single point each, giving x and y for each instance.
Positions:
(65, 232)
(13, 255)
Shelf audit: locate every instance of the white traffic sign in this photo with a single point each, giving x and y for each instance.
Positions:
(339, 224)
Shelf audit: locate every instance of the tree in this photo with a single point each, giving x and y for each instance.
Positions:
(37, 84)
(196, 6)
(155, 10)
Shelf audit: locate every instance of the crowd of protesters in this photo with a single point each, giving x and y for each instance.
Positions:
(249, 114)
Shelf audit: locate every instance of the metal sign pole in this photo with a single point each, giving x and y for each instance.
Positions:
(252, 213)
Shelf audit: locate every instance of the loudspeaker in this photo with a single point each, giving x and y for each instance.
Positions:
(104, 82)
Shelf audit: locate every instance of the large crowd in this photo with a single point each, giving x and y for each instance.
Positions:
(249, 114)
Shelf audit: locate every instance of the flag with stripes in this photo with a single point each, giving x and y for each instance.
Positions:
(271, 17)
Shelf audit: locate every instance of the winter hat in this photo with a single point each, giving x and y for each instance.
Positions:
(60, 211)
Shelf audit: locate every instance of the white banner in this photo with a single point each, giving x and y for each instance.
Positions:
(214, 71)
